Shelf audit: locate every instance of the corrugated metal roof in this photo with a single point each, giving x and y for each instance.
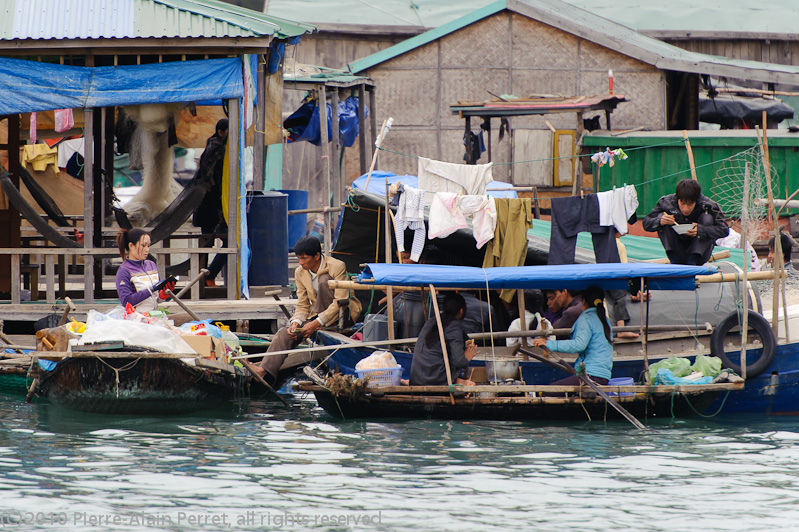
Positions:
(422, 14)
(594, 28)
(705, 18)
(97, 19)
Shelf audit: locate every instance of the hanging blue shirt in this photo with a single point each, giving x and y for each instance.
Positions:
(588, 340)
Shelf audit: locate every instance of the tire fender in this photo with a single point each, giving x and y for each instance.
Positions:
(761, 326)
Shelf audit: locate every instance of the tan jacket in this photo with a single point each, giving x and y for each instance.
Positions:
(307, 295)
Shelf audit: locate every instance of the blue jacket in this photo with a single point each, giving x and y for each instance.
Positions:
(588, 339)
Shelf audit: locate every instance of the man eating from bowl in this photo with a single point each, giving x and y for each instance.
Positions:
(688, 224)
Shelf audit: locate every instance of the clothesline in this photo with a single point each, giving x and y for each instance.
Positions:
(653, 180)
(550, 158)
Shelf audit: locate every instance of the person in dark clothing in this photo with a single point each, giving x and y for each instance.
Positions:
(427, 367)
(566, 307)
(208, 216)
(479, 315)
(687, 206)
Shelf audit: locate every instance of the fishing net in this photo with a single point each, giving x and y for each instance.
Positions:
(728, 190)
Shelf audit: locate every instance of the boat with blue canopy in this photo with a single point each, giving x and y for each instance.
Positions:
(528, 397)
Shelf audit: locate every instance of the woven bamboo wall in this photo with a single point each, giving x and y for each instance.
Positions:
(505, 53)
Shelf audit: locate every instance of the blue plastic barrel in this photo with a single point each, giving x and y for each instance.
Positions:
(268, 230)
(298, 223)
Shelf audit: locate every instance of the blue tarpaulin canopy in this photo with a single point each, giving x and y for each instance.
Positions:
(570, 276)
(30, 86)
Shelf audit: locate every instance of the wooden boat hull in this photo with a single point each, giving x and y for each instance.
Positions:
(775, 391)
(137, 386)
(510, 408)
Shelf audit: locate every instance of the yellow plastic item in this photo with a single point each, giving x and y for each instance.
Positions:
(76, 326)
(222, 326)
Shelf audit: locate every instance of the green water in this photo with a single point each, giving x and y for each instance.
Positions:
(261, 466)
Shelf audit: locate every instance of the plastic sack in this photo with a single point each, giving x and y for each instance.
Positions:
(193, 327)
(666, 376)
(377, 360)
(680, 367)
(136, 334)
(94, 316)
(707, 366)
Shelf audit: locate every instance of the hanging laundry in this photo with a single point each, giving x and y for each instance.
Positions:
(40, 156)
(601, 158)
(33, 128)
(68, 148)
(570, 216)
(484, 217)
(437, 176)
(448, 213)
(64, 120)
(509, 246)
(617, 207)
(410, 214)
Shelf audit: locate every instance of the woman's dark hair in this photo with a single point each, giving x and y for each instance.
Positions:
(308, 246)
(786, 244)
(534, 301)
(129, 236)
(453, 303)
(221, 125)
(688, 190)
(594, 297)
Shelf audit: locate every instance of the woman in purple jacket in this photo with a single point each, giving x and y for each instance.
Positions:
(137, 276)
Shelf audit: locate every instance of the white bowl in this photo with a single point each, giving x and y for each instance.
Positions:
(682, 229)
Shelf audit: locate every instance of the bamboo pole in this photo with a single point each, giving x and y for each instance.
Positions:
(744, 235)
(774, 224)
(710, 278)
(690, 154)
(443, 341)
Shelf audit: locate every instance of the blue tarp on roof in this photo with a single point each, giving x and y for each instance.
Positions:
(32, 86)
(570, 276)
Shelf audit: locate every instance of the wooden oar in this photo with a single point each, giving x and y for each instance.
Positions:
(70, 308)
(251, 369)
(182, 305)
(560, 364)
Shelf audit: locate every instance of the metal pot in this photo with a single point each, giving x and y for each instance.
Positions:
(500, 369)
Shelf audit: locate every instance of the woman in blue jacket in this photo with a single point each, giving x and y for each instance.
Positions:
(590, 339)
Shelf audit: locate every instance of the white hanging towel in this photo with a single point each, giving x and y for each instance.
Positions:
(410, 214)
(617, 206)
(469, 179)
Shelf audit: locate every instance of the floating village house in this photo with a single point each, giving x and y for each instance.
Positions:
(94, 57)
(536, 47)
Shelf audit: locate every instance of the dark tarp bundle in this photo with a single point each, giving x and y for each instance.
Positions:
(729, 110)
(303, 124)
(42, 86)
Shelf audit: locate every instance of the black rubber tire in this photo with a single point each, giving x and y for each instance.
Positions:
(761, 326)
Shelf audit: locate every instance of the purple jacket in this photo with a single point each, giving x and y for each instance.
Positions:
(134, 279)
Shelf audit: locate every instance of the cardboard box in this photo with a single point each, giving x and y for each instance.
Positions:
(207, 346)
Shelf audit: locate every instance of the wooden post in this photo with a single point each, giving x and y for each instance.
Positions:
(690, 154)
(362, 128)
(644, 331)
(390, 291)
(322, 106)
(744, 235)
(378, 142)
(88, 204)
(335, 155)
(522, 316)
(258, 153)
(443, 341)
(231, 279)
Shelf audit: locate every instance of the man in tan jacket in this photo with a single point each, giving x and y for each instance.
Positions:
(318, 306)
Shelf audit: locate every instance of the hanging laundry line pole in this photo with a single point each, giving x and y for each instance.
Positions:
(384, 129)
